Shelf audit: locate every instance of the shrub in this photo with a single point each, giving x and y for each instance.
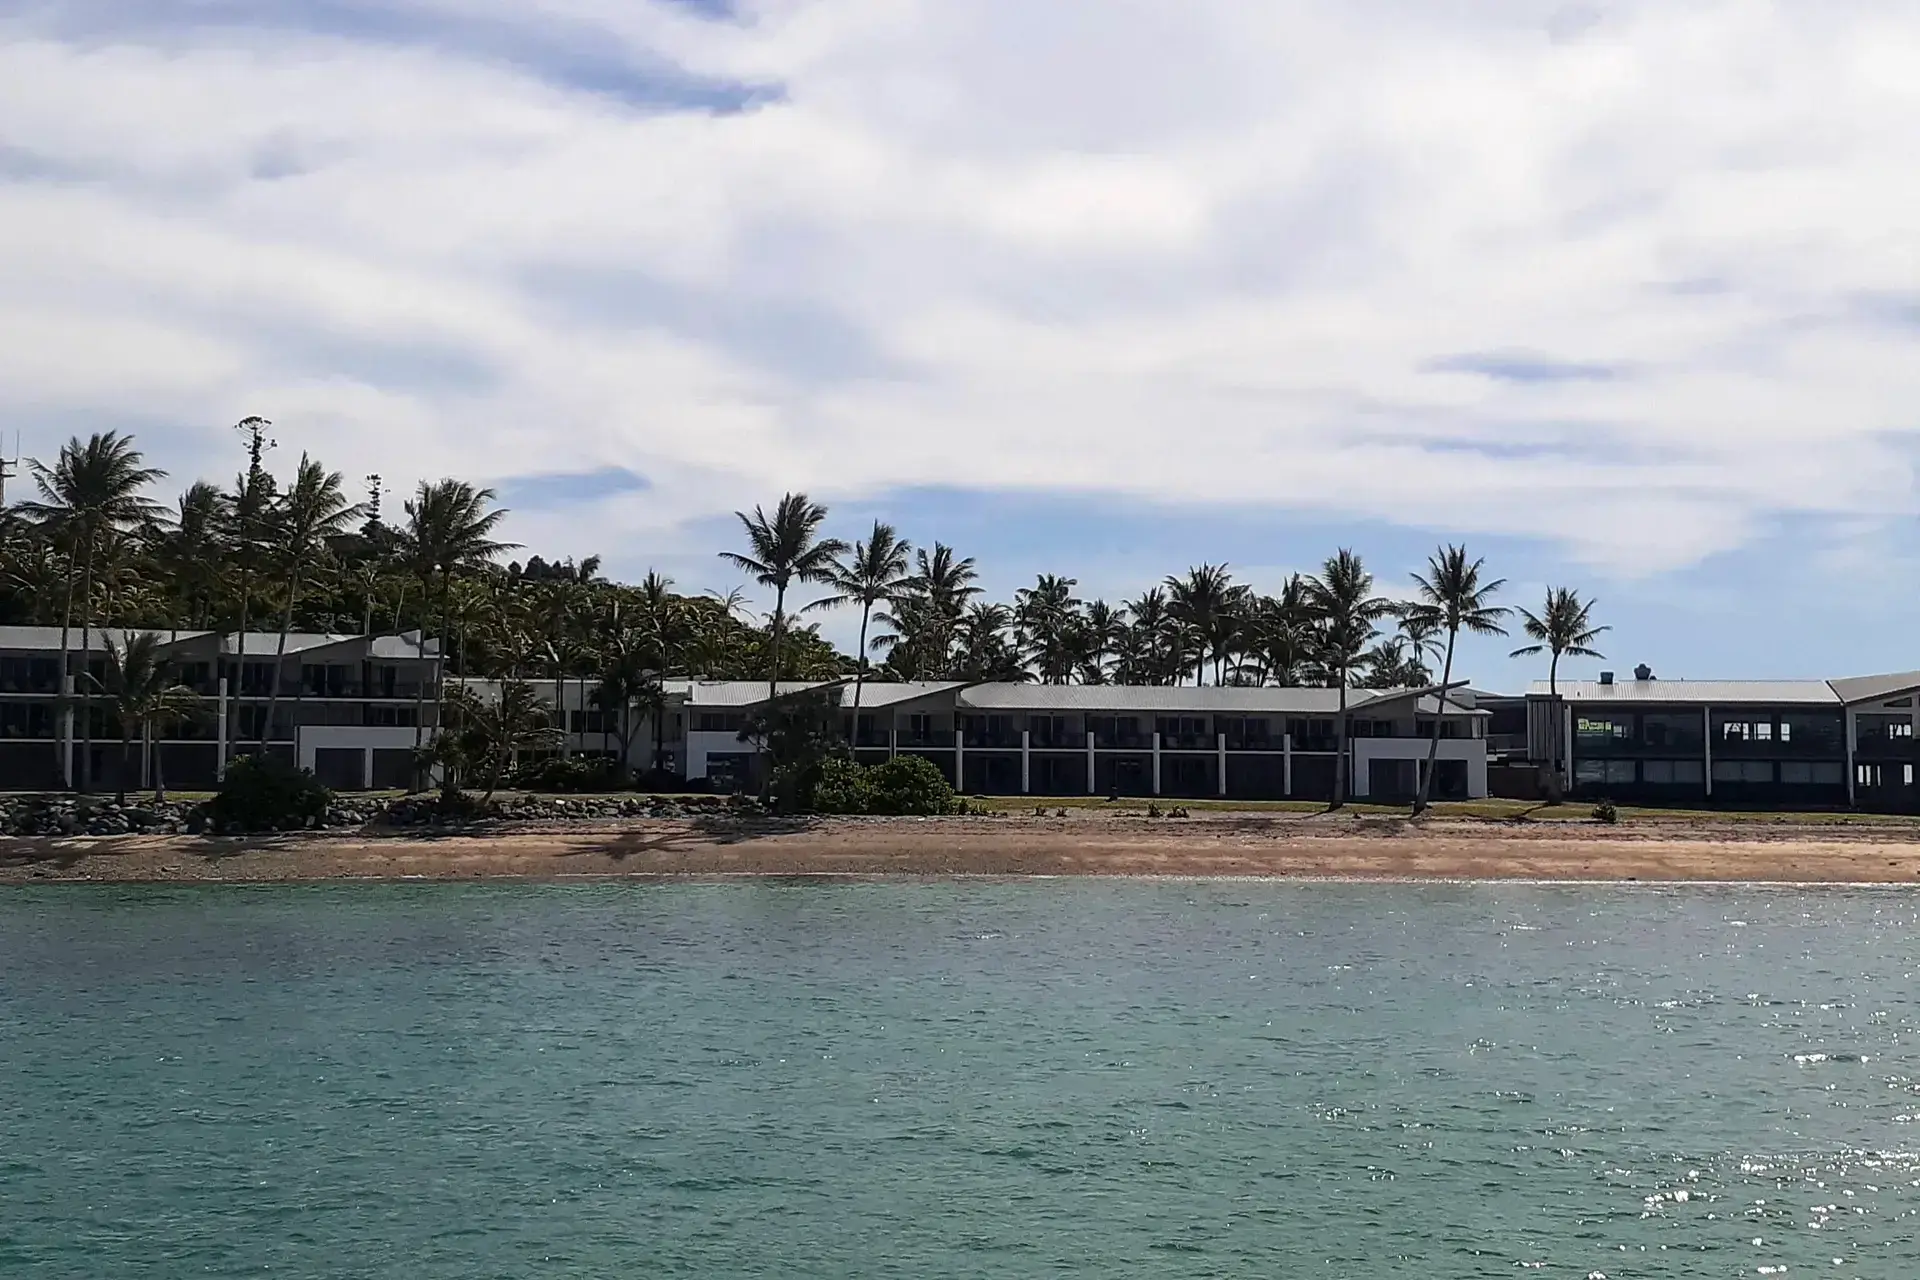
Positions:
(908, 785)
(265, 793)
(555, 774)
(1605, 812)
(842, 786)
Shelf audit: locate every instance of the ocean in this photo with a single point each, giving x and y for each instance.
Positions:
(965, 1079)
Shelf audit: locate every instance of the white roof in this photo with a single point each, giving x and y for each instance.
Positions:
(1697, 692)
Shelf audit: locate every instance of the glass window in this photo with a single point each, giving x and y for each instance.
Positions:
(1829, 774)
(1620, 772)
(1815, 731)
(1664, 773)
(1590, 771)
(1796, 773)
(1867, 775)
(1726, 770)
(1676, 731)
(1603, 728)
(1763, 731)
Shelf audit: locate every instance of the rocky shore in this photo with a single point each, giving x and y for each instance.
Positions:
(84, 816)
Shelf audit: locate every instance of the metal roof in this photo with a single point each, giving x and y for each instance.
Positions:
(1876, 688)
(1211, 700)
(259, 643)
(1696, 692)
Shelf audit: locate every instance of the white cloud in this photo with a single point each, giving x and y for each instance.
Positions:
(1209, 252)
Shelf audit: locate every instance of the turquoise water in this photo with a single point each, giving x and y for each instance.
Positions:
(1055, 1078)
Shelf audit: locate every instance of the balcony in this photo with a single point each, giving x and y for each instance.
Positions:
(1060, 741)
(928, 738)
(1123, 741)
(993, 740)
(1188, 742)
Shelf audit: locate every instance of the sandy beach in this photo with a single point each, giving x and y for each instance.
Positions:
(1082, 843)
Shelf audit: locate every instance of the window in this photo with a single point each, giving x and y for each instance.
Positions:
(1620, 773)
(396, 717)
(1900, 702)
(1674, 731)
(1801, 773)
(1590, 772)
(1821, 733)
(721, 722)
(1736, 731)
(1763, 731)
(1867, 775)
(1885, 729)
(1674, 773)
(1908, 769)
(1603, 728)
(1742, 771)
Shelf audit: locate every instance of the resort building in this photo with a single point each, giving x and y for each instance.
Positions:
(1768, 744)
(351, 708)
(1064, 740)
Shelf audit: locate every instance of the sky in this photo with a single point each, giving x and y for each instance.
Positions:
(1624, 295)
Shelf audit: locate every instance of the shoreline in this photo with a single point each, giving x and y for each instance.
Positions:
(1213, 846)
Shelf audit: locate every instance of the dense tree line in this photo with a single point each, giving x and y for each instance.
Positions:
(94, 547)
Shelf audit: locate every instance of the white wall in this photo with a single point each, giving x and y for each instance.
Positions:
(1471, 750)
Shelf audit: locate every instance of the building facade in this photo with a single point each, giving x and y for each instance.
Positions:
(351, 708)
(1766, 744)
(1067, 740)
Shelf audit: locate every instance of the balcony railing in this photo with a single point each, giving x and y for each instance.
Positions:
(1058, 741)
(1123, 741)
(993, 739)
(925, 738)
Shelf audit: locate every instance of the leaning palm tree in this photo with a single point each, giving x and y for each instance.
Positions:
(514, 724)
(1452, 598)
(783, 549)
(449, 529)
(89, 494)
(871, 575)
(143, 696)
(313, 511)
(1346, 615)
(1565, 626)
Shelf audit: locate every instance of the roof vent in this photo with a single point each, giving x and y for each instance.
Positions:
(1643, 673)
(1606, 678)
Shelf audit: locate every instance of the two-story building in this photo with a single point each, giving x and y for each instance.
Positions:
(1763, 743)
(351, 708)
(1062, 740)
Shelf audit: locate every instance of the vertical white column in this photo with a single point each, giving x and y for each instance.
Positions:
(1286, 765)
(1026, 762)
(1706, 736)
(220, 761)
(146, 757)
(1091, 789)
(959, 755)
(1223, 764)
(1156, 762)
(366, 767)
(893, 741)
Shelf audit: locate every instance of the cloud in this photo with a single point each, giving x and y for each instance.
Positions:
(1636, 279)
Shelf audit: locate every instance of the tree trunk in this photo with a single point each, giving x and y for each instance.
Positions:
(1433, 748)
(280, 657)
(420, 686)
(240, 661)
(159, 777)
(1340, 770)
(779, 625)
(86, 672)
(126, 758)
(61, 756)
(860, 668)
(1556, 780)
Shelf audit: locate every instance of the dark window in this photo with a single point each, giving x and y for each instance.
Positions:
(1597, 729)
(1672, 773)
(1742, 771)
(1673, 731)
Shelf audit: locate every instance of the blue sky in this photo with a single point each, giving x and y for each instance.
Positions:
(1624, 295)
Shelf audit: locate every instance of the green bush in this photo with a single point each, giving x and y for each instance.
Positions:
(265, 793)
(1605, 812)
(575, 774)
(908, 785)
(841, 786)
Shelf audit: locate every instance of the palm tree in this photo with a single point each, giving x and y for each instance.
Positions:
(1102, 635)
(89, 494)
(250, 508)
(313, 511)
(781, 550)
(514, 724)
(142, 695)
(1564, 626)
(1346, 614)
(1207, 602)
(449, 529)
(871, 576)
(559, 594)
(1048, 617)
(192, 552)
(1452, 599)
